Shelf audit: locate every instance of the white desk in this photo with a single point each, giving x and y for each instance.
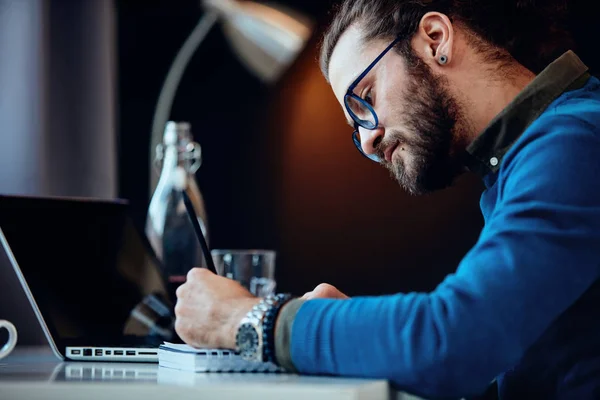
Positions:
(35, 373)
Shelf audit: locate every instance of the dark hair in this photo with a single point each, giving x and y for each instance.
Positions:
(528, 31)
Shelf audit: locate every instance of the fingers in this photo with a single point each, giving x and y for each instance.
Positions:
(205, 305)
(183, 329)
(324, 291)
(194, 278)
(183, 324)
(188, 332)
(198, 274)
(185, 307)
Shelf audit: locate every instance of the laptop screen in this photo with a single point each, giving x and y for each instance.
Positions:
(92, 275)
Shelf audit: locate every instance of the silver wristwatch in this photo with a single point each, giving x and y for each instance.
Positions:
(249, 338)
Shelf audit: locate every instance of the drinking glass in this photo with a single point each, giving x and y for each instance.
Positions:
(253, 269)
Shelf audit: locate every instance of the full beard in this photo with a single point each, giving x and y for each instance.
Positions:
(430, 161)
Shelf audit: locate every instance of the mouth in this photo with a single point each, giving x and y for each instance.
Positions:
(389, 152)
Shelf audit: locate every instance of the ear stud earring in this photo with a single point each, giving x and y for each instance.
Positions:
(443, 59)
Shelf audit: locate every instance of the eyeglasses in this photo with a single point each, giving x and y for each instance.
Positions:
(361, 112)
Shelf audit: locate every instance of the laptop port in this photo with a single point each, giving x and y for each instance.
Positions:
(108, 352)
(75, 352)
(118, 352)
(130, 353)
(98, 352)
(146, 353)
(87, 352)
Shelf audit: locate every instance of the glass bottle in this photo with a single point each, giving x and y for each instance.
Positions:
(168, 227)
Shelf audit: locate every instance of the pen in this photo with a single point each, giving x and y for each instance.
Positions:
(192, 214)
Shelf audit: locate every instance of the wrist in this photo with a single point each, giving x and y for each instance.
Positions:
(283, 333)
(236, 317)
(255, 333)
(270, 326)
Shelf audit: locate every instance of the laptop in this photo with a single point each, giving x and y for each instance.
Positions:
(90, 276)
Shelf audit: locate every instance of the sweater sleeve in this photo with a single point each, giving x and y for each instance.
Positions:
(537, 254)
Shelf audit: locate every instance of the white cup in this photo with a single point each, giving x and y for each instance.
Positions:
(12, 338)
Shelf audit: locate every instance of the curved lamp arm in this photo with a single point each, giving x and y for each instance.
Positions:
(265, 38)
(169, 88)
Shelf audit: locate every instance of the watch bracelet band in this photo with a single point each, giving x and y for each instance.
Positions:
(255, 317)
(269, 321)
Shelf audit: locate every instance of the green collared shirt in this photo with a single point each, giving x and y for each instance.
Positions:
(483, 156)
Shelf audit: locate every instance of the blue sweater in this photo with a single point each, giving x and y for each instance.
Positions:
(523, 307)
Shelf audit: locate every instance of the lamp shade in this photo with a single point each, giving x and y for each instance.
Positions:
(265, 38)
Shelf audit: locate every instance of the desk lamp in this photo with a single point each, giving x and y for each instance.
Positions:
(265, 38)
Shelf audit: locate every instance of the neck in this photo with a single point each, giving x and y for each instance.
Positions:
(484, 97)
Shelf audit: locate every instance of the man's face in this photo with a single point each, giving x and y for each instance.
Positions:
(418, 118)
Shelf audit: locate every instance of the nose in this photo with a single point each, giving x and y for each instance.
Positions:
(370, 139)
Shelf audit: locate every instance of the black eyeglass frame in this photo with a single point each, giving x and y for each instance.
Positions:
(367, 124)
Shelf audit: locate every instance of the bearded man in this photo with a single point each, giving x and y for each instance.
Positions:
(431, 91)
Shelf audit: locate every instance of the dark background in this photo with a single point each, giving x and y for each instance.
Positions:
(280, 170)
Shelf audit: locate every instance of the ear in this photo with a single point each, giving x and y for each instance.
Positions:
(434, 38)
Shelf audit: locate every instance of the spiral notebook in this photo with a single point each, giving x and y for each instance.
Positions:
(187, 358)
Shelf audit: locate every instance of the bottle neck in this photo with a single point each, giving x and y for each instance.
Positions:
(171, 157)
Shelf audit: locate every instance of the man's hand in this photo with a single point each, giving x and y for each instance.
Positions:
(209, 309)
(324, 291)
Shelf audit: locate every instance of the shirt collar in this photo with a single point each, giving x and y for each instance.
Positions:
(485, 153)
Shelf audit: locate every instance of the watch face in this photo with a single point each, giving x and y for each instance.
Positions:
(247, 340)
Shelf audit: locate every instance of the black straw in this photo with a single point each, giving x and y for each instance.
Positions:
(192, 214)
